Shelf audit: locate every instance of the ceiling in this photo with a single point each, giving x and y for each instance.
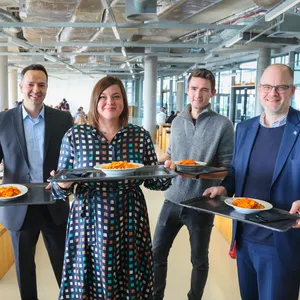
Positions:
(96, 37)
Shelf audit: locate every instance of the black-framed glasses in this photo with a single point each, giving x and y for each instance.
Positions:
(281, 89)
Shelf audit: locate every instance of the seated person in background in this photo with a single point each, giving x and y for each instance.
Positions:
(161, 117)
(80, 119)
(171, 117)
(79, 112)
(108, 249)
(66, 107)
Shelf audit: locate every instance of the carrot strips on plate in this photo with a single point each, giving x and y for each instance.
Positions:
(187, 162)
(247, 203)
(9, 191)
(120, 165)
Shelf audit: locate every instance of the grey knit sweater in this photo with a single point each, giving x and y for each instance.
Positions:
(210, 140)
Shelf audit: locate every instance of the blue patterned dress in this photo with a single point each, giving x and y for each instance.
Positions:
(108, 247)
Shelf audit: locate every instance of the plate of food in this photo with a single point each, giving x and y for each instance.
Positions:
(189, 165)
(118, 168)
(12, 191)
(248, 205)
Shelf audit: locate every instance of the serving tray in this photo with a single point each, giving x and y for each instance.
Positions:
(89, 175)
(201, 170)
(217, 206)
(36, 195)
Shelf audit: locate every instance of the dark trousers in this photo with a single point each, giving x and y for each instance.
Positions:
(172, 217)
(261, 274)
(24, 243)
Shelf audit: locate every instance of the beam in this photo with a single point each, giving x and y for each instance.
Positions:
(280, 9)
(154, 25)
(113, 54)
(120, 44)
(270, 40)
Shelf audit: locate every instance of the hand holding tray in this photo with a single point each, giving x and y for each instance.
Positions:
(274, 219)
(90, 175)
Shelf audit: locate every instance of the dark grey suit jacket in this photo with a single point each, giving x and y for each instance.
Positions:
(16, 167)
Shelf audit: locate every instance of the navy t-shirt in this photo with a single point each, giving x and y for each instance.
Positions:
(259, 178)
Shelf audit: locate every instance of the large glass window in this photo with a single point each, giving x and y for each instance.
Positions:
(282, 59)
(129, 86)
(158, 94)
(296, 98)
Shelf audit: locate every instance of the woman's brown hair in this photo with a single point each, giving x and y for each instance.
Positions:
(99, 88)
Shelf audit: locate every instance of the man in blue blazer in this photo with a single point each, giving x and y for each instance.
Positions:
(266, 165)
(30, 140)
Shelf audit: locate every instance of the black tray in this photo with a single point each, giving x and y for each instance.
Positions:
(36, 195)
(218, 207)
(200, 170)
(89, 175)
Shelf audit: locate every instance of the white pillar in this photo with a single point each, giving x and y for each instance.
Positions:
(13, 87)
(3, 79)
(264, 60)
(232, 106)
(150, 88)
(180, 96)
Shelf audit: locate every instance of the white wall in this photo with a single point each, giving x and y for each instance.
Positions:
(77, 90)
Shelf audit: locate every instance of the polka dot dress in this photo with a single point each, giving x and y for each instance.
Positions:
(108, 247)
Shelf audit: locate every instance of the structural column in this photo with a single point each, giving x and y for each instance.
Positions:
(180, 96)
(264, 60)
(232, 106)
(3, 79)
(150, 88)
(13, 87)
(138, 101)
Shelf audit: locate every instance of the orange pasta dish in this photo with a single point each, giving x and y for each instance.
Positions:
(9, 191)
(187, 162)
(247, 203)
(120, 165)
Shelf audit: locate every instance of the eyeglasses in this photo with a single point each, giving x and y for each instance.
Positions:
(281, 89)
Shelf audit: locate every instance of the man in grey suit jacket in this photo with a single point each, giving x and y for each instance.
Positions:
(30, 140)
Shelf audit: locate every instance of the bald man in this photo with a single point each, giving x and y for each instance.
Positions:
(266, 165)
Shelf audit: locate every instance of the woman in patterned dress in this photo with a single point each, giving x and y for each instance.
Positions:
(108, 248)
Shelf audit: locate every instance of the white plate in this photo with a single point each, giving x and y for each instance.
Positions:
(21, 187)
(117, 172)
(247, 211)
(189, 167)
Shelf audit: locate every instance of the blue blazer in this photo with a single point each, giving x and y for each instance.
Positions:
(285, 186)
(13, 151)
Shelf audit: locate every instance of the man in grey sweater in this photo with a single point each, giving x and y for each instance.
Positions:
(200, 134)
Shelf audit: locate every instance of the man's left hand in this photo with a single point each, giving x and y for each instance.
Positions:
(296, 209)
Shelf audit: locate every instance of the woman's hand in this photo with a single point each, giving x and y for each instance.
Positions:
(214, 191)
(62, 185)
(296, 209)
